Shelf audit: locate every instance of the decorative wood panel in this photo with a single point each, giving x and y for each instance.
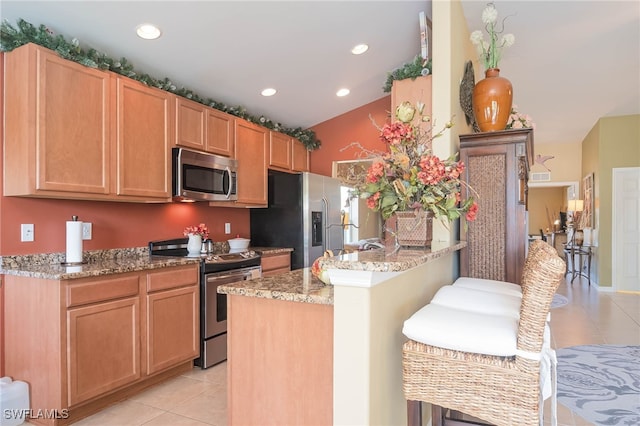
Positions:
(486, 236)
(497, 167)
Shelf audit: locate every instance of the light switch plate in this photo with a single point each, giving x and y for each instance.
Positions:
(26, 232)
(227, 228)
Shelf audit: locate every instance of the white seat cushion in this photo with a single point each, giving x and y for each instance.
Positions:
(461, 330)
(490, 285)
(470, 299)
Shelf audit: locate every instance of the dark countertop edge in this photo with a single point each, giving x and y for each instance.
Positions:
(271, 251)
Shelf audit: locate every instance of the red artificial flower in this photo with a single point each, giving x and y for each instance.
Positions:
(375, 172)
(473, 210)
(396, 133)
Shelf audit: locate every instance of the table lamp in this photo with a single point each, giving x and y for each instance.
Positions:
(575, 207)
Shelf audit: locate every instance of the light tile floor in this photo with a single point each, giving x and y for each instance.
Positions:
(199, 397)
(592, 317)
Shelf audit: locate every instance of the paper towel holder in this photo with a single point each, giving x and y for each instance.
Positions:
(74, 218)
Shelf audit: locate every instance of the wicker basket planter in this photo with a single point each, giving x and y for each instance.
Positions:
(414, 228)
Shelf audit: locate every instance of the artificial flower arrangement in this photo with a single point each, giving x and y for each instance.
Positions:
(409, 177)
(491, 51)
(518, 120)
(201, 230)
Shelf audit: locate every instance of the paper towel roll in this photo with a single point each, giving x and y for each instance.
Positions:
(74, 241)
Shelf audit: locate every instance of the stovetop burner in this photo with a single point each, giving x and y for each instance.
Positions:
(211, 262)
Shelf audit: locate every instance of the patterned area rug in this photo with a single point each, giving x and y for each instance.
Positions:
(558, 301)
(601, 383)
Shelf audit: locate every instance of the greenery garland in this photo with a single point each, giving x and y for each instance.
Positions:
(412, 70)
(12, 38)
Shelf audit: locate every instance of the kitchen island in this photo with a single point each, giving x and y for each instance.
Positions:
(302, 352)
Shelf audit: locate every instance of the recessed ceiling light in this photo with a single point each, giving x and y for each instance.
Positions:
(342, 92)
(268, 92)
(359, 49)
(148, 31)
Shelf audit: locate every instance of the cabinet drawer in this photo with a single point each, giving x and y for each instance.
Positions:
(100, 290)
(173, 278)
(278, 261)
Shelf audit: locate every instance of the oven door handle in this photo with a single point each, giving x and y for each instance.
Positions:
(242, 275)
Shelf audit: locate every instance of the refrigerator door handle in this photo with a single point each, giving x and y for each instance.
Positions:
(325, 216)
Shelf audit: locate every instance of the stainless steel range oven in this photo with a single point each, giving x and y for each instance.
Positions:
(215, 270)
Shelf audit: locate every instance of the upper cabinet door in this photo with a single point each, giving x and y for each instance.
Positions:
(56, 125)
(144, 139)
(251, 153)
(300, 161)
(220, 133)
(279, 150)
(191, 124)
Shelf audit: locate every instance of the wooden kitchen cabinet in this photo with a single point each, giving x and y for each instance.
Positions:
(103, 344)
(100, 339)
(300, 160)
(203, 128)
(172, 318)
(280, 151)
(497, 167)
(75, 132)
(275, 264)
(251, 147)
(144, 136)
(287, 153)
(57, 126)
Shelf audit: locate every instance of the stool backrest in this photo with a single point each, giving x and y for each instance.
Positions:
(540, 280)
(534, 248)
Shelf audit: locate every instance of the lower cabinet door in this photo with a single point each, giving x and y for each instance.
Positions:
(172, 327)
(103, 345)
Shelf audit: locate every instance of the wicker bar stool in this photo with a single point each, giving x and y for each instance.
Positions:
(490, 367)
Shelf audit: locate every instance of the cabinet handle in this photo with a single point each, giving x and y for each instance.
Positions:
(522, 180)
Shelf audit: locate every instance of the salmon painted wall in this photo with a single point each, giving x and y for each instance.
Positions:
(115, 225)
(340, 131)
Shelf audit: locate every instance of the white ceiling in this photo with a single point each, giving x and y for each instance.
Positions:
(572, 63)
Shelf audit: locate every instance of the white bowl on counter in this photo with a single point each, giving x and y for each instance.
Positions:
(239, 244)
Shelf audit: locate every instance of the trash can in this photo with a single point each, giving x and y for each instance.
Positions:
(14, 401)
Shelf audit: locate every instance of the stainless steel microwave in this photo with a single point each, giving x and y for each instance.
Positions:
(201, 176)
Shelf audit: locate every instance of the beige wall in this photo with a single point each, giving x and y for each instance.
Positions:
(565, 165)
(545, 204)
(452, 49)
(613, 142)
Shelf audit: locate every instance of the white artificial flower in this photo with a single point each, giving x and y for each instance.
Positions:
(508, 40)
(490, 15)
(476, 37)
(517, 124)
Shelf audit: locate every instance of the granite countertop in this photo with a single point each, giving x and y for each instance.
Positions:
(301, 286)
(391, 259)
(295, 286)
(98, 262)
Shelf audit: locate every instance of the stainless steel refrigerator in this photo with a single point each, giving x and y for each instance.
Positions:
(303, 213)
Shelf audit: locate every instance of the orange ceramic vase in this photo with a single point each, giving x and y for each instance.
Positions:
(492, 97)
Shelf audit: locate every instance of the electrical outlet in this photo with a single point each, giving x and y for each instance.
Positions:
(227, 228)
(86, 230)
(26, 232)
